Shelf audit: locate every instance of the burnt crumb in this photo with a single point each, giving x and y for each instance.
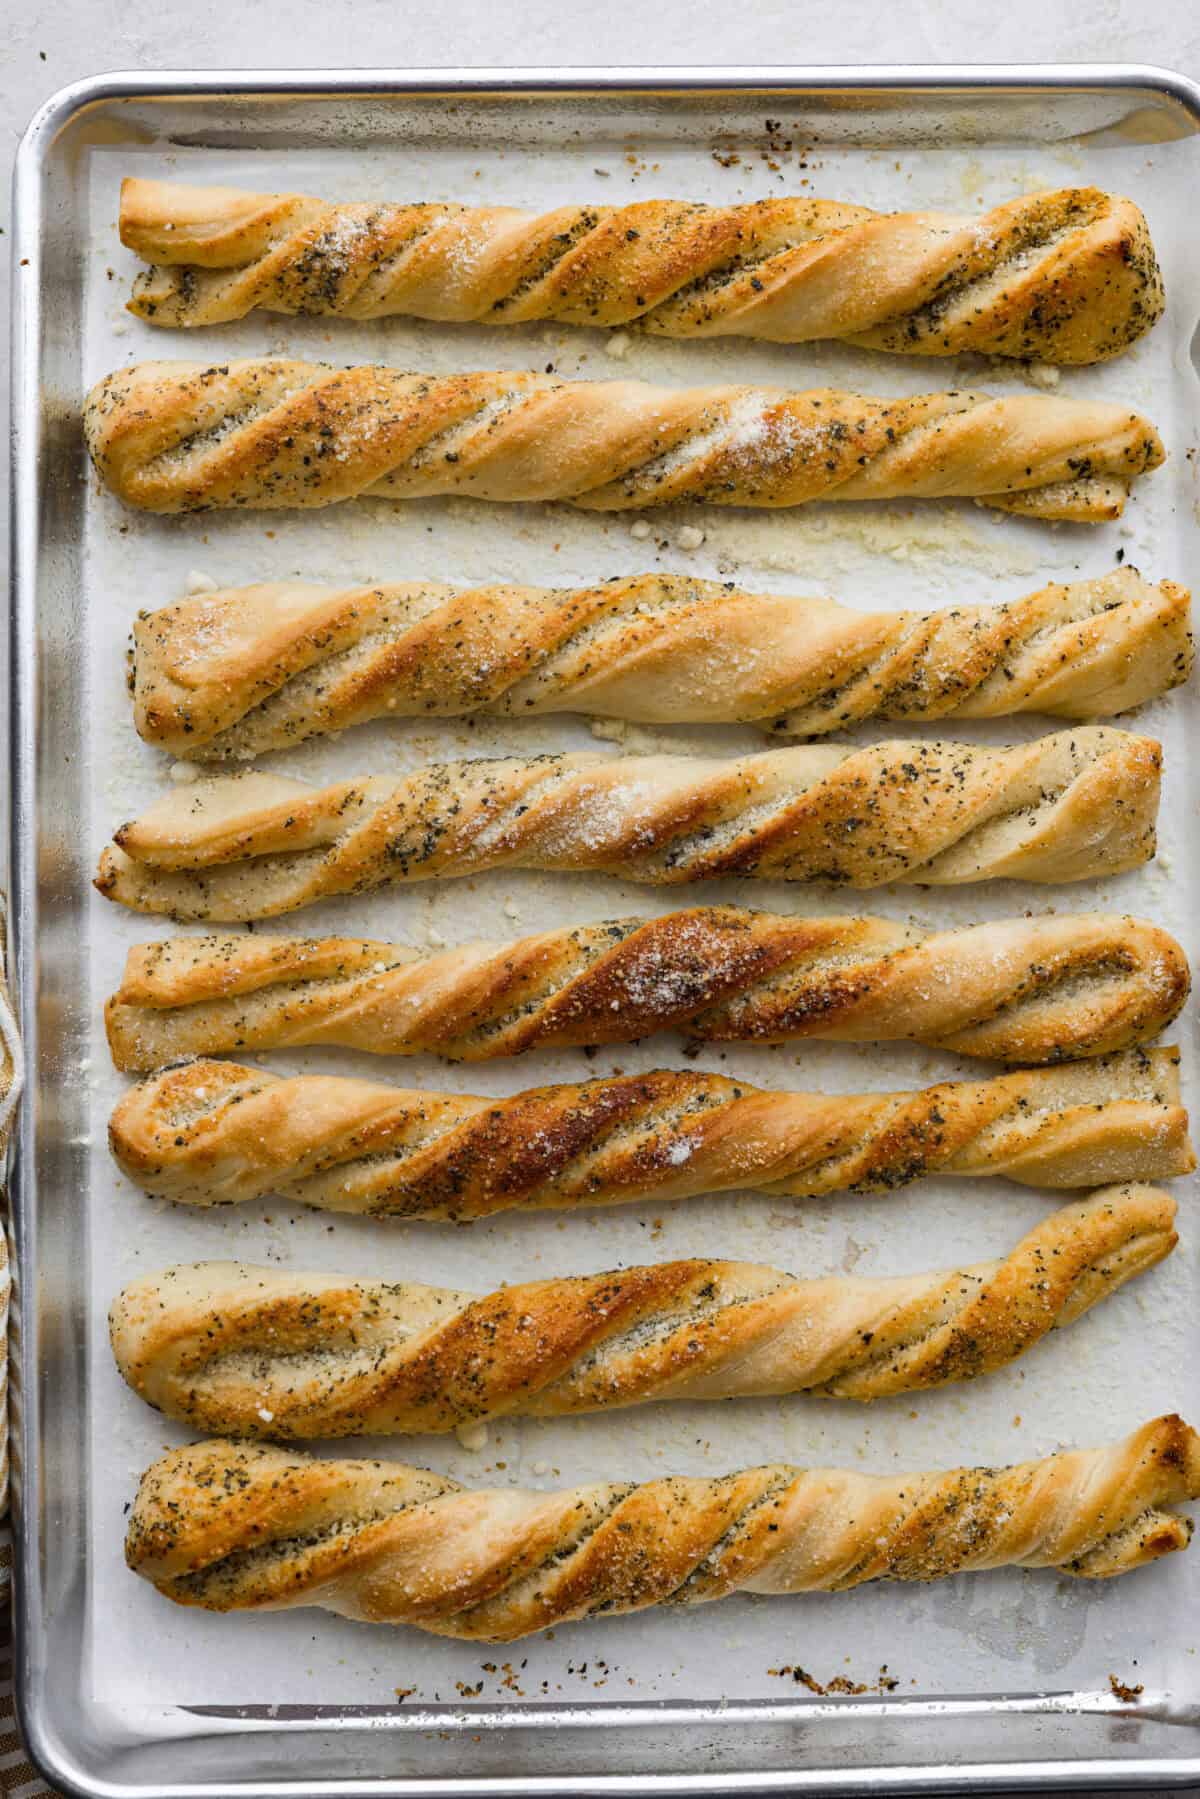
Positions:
(884, 1681)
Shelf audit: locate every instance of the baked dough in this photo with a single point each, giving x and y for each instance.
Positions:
(190, 436)
(251, 1527)
(254, 1352)
(230, 675)
(1064, 808)
(208, 1133)
(1068, 276)
(1019, 990)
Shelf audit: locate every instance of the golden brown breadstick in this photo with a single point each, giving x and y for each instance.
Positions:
(186, 437)
(230, 675)
(1021, 990)
(209, 1133)
(1062, 808)
(254, 1352)
(1068, 276)
(250, 1527)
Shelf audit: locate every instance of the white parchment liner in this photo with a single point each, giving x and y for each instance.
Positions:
(1129, 1359)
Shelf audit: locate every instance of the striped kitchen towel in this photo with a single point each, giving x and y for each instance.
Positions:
(18, 1778)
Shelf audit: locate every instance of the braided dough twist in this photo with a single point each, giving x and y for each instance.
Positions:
(208, 1133)
(246, 846)
(230, 675)
(252, 1352)
(1021, 990)
(186, 437)
(249, 1527)
(1068, 276)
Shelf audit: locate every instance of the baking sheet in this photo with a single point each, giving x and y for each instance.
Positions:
(1007, 1632)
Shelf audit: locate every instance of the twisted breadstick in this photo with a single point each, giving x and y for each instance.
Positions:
(251, 1352)
(1024, 990)
(213, 1133)
(249, 1527)
(183, 437)
(229, 675)
(1068, 276)
(1062, 808)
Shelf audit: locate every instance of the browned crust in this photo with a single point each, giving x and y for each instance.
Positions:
(215, 1133)
(253, 1352)
(230, 675)
(1067, 276)
(184, 437)
(1062, 808)
(1040, 990)
(236, 1526)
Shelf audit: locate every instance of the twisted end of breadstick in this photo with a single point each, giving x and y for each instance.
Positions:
(211, 1133)
(1024, 990)
(1069, 276)
(238, 1526)
(230, 675)
(182, 437)
(252, 1352)
(1062, 808)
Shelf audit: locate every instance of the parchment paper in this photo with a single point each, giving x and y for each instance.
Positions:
(1131, 1358)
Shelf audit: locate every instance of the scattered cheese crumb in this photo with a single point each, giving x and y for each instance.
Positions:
(541, 1468)
(610, 730)
(511, 910)
(379, 967)
(472, 1436)
(199, 582)
(267, 1417)
(689, 538)
(617, 345)
(185, 771)
(639, 529)
(1042, 374)
(634, 741)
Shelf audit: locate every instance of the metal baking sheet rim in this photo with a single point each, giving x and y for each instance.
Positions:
(54, 1759)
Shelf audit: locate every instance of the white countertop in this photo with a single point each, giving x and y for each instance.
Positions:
(56, 42)
(59, 40)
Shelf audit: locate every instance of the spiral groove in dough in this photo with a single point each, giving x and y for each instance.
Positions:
(243, 1526)
(1064, 808)
(187, 437)
(231, 675)
(1067, 276)
(210, 1133)
(1045, 989)
(256, 1352)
